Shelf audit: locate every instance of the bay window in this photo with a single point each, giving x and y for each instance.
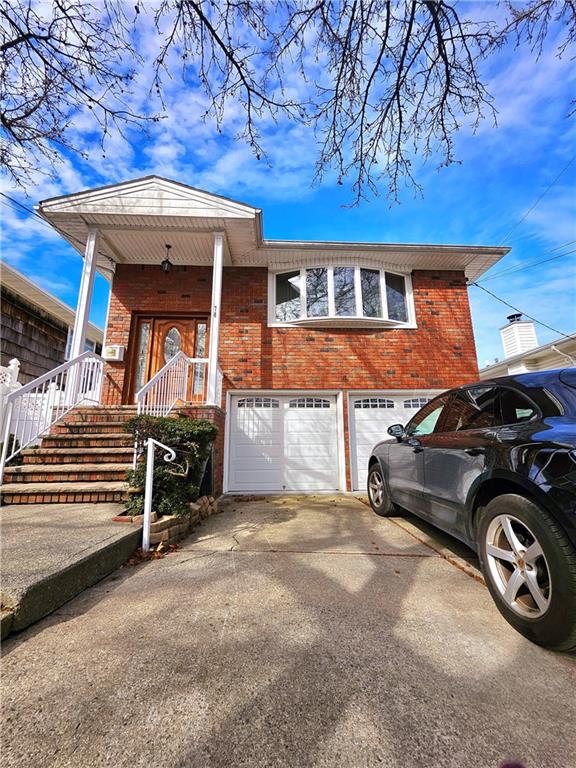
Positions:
(337, 293)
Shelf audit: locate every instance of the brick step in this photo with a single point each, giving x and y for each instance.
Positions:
(95, 440)
(32, 456)
(88, 428)
(96, 415)
(69, 473)
(62, 493)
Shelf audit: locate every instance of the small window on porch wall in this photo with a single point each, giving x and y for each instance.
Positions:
(258, 402)
(309, 402)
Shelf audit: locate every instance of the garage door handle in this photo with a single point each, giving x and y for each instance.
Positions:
(475, 451)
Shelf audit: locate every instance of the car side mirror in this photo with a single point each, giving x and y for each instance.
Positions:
(397, 431)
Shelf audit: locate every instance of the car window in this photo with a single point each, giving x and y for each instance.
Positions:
(425, 421)
(473, 408)
(515, 407)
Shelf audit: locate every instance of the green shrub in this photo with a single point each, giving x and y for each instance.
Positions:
(175, 484)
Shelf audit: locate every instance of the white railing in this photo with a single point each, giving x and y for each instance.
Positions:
(36, 406)
(169, 456)
(182, 379)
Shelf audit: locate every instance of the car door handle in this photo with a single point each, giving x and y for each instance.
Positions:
(475, 451)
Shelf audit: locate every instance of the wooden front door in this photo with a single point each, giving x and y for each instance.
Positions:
(158, 339)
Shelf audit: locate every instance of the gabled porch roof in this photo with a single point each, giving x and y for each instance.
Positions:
(135, 219)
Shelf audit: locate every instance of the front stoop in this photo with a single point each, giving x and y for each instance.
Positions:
(84, 459)
(51, 555)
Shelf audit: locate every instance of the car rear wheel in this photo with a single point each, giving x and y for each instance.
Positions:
(530, 569)
(378, 493)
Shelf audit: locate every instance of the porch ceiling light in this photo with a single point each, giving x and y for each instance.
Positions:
(167, 264)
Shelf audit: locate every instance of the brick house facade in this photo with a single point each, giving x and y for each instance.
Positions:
(320, 345)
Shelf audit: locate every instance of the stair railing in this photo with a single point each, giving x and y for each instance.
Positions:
(169, 456)
(36, 406)
(182, 379)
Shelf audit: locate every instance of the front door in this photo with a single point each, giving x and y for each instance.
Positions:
(158, 339)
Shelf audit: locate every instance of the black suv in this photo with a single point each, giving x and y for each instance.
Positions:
(494, 464)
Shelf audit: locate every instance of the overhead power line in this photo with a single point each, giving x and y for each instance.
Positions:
(521, 267)
(529, 211)
(51, 227)
(503, 301)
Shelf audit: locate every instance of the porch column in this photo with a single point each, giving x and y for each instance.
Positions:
(212, 390)
(85, 294)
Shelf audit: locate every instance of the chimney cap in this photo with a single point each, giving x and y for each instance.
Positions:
(515, 318)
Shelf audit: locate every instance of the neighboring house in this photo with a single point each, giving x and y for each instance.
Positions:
(321, 345)
(522, 353)
(36, 326)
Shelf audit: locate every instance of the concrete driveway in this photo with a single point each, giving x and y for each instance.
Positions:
(288, 632)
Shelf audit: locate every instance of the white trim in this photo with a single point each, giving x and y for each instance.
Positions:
(342, 480)
(227, 427)
(333, 320)
(85, 294)
(213, 344)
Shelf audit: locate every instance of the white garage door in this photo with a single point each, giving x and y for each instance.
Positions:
(283, 444)
(370, 417)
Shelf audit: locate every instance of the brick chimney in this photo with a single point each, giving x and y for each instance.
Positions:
(518, 336)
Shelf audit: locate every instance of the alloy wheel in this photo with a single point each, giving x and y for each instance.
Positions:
(376, 487)
(518, 566)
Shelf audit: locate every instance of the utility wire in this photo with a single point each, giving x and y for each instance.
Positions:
(502, 301)
(521, 267)
(548, 188)
(43, 221)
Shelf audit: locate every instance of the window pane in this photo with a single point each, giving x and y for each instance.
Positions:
(288, 301)
(472, 409)
(344, 296)
(317, 292)
(425, 420)
(171, 344)
(396, 296)
(371, 301)
(515, 407)
(142, 356)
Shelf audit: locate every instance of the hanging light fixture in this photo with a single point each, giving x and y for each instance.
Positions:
(167, 264)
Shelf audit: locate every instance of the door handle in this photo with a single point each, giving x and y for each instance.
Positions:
(475, 451)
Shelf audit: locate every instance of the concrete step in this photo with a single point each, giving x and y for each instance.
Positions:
(50, 554)
(63, 493)
(67, 473)
(32, 456)
(94, 440)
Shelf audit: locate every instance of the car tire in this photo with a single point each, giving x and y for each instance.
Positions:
(529, 566)
(378, 492)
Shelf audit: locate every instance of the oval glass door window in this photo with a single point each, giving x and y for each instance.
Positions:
(172, 342)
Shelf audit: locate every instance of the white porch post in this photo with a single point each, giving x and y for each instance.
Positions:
(212, 390)
(85, 295)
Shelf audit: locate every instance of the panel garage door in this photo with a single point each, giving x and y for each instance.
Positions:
(283, 444)
(370, 417)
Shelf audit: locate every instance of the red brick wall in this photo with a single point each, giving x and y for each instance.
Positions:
(438, 354)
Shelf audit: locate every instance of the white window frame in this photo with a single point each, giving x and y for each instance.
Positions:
(343, 320)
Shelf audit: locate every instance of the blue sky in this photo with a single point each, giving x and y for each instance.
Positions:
(515, 185)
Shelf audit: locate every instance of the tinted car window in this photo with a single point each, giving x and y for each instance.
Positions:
(428, 417)
(474, 408)
(515, 407)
